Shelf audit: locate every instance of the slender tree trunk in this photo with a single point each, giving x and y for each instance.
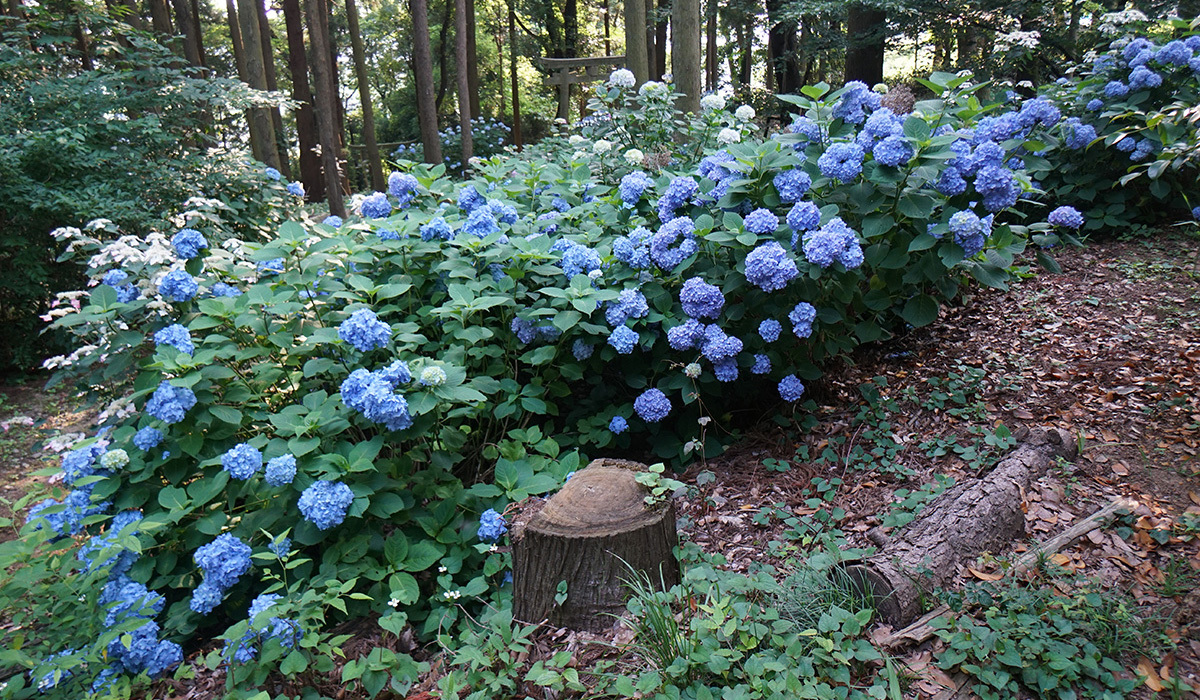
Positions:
(866, 34)
(235, 36)
(325, 106)
(512, 62)
(260, 117)
(781, 41)
(82, 43)
(160, 19)
(199, 31)
(423, 70)
(607, 30)
(571, 27)
(464, 86)
(306, 122)
(685, 52)
(472, 60)
(637, 58)
(500, 38)
(660, 39)
(190, 29)
(554, 31)
(374, 164)
(282, 144)
(443, 41)
(710, 46)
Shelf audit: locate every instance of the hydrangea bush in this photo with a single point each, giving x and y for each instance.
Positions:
(331, 423)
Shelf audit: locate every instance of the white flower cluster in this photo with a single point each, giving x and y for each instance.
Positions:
(119, 410)
(622, 77)
(712, 102)
(727, 136)
(745, 113)
(1025, 40)
(1111, 23)
(635, 157)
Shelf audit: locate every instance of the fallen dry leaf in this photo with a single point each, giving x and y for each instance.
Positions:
(985, 576)
(1146, 668)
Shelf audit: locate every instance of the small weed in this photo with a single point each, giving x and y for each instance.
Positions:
(1179, 578)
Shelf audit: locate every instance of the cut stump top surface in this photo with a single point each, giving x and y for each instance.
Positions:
(602, 500)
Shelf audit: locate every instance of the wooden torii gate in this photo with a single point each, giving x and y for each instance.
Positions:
(565, 73)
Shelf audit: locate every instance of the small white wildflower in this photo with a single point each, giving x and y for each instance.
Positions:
(452, 595)
(745, 113)
(1025, 84)
(442, 569)
(728, 136)
(622, 77)
(668, 77)
(712, 102)
(704, 420)
(602, 146)
(493, 549)
(394, 603)
(635, 157)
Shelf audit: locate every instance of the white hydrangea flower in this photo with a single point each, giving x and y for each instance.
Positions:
(602, 146)
(692, 370)
(635, 157)
(880, 88)
(622, 77)
(1026, 40)
(114, 459)
(745, 113)
(727, 136)
(651, 86)
(575, 139)
(712, 102)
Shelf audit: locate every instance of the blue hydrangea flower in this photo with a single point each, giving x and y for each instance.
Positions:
(562, 206)
(998, 187)
(325, 503)
(634, 249)
(80, 463)
(1115, 88)
(762, 365)
(624, 339)
(633, 186)
(1094, 104)
(436, 228)
(147, 438)
(804, 216)
(894, 151)
(717, 345)
(170, 403)
(807, 128)
(365, 331)
(295, 189)
(762, 222)
(375, 206)
(491, 526)
(582, 350)
(374, 396)
(950, 182)
(666, 257)
(686, 335)
(242, 461)
(188, 243)
(223, 561)
(854, 101)
(833, 242)
(333, 221)
(680, 191)
(469, 198)
(701, 299)
(119, 559)
(882, 123)
(273, 174)
(274, 266)
(802, 317)
(769, 267)
(178, 285)
(1196, 213)
(114, 278)
(792, 185)
(769, 330)
(577, 259)
(630, 303)
(1173, 53)
(480, 223)
(280, 546)
(791, 388)
(387, 235)
(504, 213)
(175, 336)
(1067, 217)
(1077, 134)
(281, 470)
(714, 168)
(1142, 77)
(726, 370)
(842, 161)
(403, 187)
(652, 405)
(618, 425)
(220, 289)
(1038, 111)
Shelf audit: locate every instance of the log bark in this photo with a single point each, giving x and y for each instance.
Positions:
(975, 517)
(590, 534)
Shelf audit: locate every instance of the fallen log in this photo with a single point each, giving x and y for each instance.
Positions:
(921, 629)
(570, 558)
(983, 515)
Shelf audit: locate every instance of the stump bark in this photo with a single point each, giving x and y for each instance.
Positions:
(980, 516)
(590, 535)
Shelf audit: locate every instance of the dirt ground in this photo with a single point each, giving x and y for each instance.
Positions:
(1108, 350)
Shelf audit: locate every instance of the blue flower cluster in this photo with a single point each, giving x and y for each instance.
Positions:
(652, 405)
(680, 191)
(365, 331)
(854, 101)
(761, 222)
(333, 221)
(701, 299)
(242, 461)
(296, 189)
(188, 243)
(375, 206)
(220, 289)
(147, 438)
(223, 561)
(480, 223)
(528, 331)
(762, 364)
(373, 394)
(802, 317)
(1077, 134)
(325, 503)
(170, 403)
(469, 198)
(833, 242)
(769, 267)
(175, 336)
(791, 388)
(178, 285)
(633, 186)
(403, 187)
(491, 526)
(143, 652)
(288, 632)
(842, 161)
(630, 303)
(577, 259)
(624, 339)
(663, 249)
(792, 185)
(893, 150)
(437, 228)
(618, 425)
(66, 517)
(970, 231)
(769, 330)
(634, 249)
(115, 279)
(804, 216)
(582, 350)
(1067, 217)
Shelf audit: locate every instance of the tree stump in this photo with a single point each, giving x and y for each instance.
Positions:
(980, 516)
(592, 534)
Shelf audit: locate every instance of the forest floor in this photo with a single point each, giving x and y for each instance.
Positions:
(1108, 350)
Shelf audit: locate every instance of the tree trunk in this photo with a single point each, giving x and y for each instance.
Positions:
(282, 145)
(374, 164)
(866, 35)
(199, 31)
(81, 43)
(423, 70)
(326, 105)
(190, 29)
(636, 57)
(443, 73)
(980, 516)
(260, 118)
(306, 122)
(571, 27)
(160, 20)
(590, 535)
(711, 63)
(512, 62)
(464, 85)
(781, 42)
(660, 39)
(239, 61)
(685, 52)
(472, 60)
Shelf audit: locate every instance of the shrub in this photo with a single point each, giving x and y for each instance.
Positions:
(488, 137)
